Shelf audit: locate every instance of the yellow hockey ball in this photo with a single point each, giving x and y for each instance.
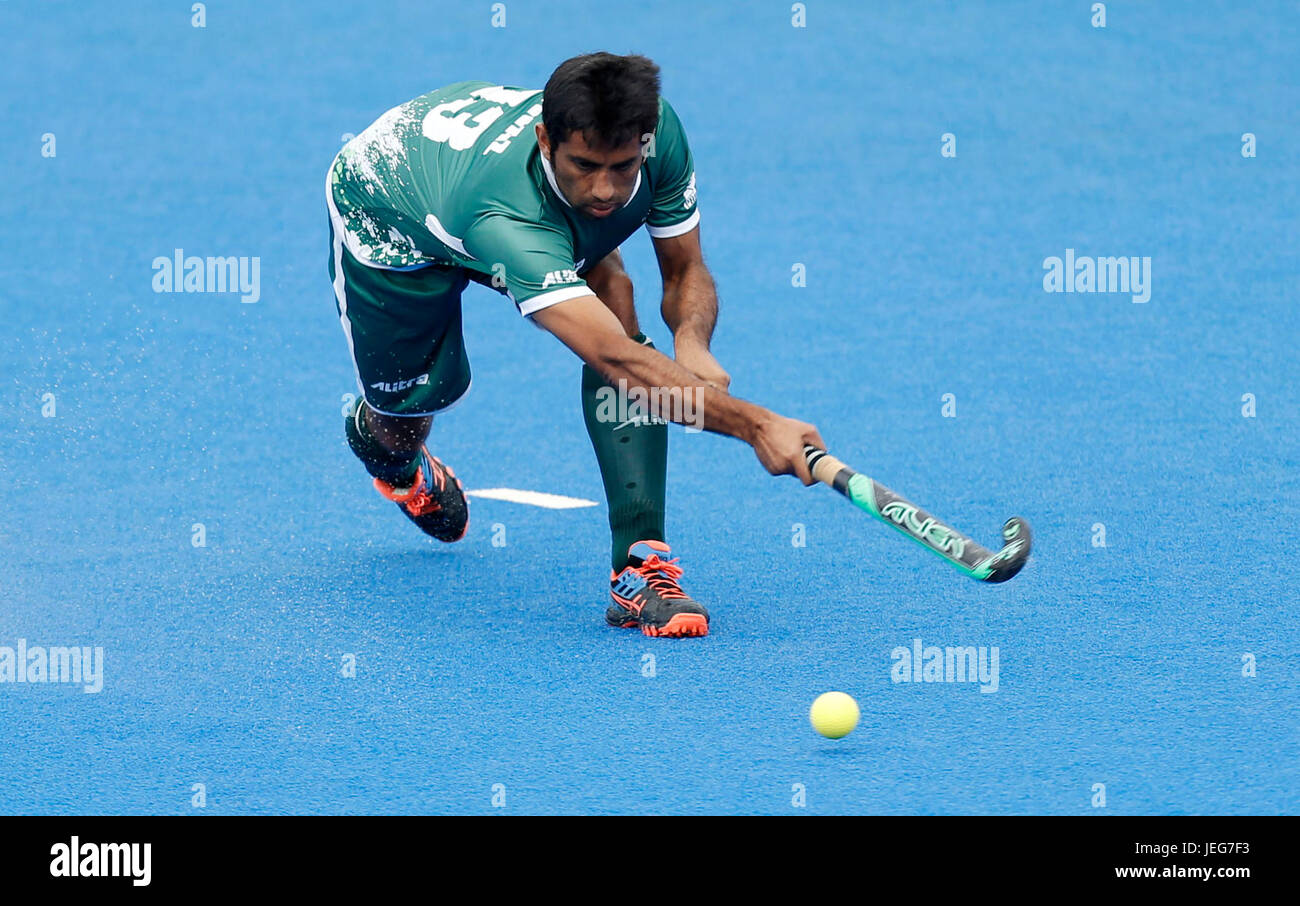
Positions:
(834, 714)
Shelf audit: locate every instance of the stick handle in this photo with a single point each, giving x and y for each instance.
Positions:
(827, 469)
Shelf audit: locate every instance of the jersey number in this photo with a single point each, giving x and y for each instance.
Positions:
(450, 122)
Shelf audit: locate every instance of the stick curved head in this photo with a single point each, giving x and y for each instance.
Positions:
(1018, 540)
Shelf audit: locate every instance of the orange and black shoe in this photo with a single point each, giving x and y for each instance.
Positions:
(646, 595)
(436, 502)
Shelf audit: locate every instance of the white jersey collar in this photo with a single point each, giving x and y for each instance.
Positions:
(550, 177)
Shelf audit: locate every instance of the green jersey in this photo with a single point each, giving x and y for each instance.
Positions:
(455, 177)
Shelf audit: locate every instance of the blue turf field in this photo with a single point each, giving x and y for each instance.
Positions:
(482, 665)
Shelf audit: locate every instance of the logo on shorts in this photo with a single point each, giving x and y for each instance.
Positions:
(395, 386)
(568, 275)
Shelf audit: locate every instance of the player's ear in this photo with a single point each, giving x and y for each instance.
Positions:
(543, 140)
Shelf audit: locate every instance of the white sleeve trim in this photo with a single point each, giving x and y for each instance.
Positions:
(677, 229)
(554, 297)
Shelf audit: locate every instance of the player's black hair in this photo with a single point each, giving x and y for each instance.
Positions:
(610, 99)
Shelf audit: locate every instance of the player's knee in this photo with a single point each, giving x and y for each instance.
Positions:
(615, 290)
(608, 279)
(397, 434)
(612, 285)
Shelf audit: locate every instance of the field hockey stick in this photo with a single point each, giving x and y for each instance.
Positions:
(895, 511)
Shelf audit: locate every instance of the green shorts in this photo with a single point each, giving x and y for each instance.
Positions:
(404, 332)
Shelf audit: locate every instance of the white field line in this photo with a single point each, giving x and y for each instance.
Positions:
(533, 498)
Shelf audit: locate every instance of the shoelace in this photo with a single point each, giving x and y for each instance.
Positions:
(662, 575)
(421, 502)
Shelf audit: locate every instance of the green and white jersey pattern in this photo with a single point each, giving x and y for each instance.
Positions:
(455, 177)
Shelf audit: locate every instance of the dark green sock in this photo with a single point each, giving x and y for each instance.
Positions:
(633, 462)
(398, 469)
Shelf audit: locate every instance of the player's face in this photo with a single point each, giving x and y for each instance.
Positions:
(595, 179)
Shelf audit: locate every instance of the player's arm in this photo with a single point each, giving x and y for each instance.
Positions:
(591, 330)
(690, 304)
